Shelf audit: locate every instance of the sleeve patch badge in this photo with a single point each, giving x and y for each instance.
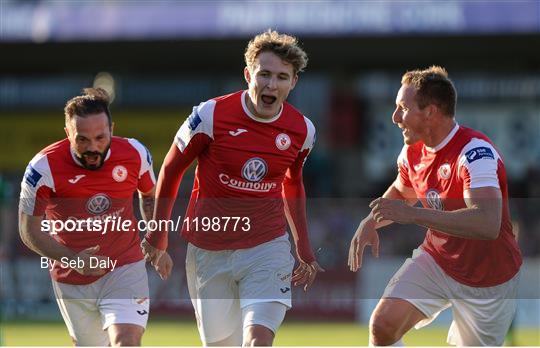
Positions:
(194, 119)
(32, 176)
(479, 153)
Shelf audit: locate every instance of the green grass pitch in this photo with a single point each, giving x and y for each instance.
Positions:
(184, 333)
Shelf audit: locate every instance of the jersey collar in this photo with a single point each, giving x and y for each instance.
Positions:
(255, 118)
(76, 160)
(445, 140)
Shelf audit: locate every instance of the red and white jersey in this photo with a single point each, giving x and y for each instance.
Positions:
(242, 162)
(466, 159)
(58, 186)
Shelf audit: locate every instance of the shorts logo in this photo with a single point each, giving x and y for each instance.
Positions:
(434, 200)
(140, 300)
(393, 281)
(32, 176)
(98, 204)
(479, 153)
(254, 169)
(285, 290)
(143, 312)
(194, 119)
(284, 277)
(444, 171)
(119, 173)
(283, 141)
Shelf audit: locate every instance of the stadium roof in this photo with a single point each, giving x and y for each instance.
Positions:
(93, 20)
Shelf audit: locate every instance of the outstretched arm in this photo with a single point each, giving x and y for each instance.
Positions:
(294, 197)
(366, 233)
(171, 173)
(174, 166)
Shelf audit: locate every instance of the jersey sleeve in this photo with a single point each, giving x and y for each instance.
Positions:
(403, 167)
(192, 138)
(200, 121)
(147, 178)
(478, 164)
(295, 198)
(309, 142)
(36, 187)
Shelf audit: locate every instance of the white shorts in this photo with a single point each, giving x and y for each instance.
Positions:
(119, 297)
(222, 283)
(481, 316)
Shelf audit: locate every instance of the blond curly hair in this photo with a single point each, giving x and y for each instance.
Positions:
(282, 45)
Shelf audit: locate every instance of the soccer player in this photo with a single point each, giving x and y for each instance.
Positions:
(250, 146)
(469, 260)
(84, 186)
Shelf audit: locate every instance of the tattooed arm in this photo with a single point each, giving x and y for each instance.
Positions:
(146, 204)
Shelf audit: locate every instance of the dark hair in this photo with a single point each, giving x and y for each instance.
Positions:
(93, 101)
(433, 86)
(282, 45)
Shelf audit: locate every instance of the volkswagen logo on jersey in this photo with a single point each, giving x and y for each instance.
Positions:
(254, 169)
(434, 200)
(98, 204)
(283, 141)
(119, 173)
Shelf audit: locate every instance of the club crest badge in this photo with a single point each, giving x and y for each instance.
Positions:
(444, 171)
(119, 173)
(283, 141)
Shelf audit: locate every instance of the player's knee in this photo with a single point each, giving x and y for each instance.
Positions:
(123, 339)
(125, 335)
(258, 342)
(383, 331)
(257, 336)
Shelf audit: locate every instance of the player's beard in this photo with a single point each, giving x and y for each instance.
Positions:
(101, 158)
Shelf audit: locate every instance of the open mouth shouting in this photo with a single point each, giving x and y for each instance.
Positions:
(92, 159)
(268, 100)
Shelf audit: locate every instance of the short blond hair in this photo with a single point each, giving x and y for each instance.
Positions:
(282, 45)
(433, 86)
